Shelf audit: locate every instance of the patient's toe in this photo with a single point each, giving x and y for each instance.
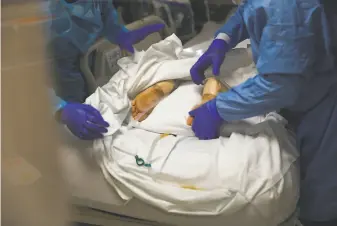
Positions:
(144, 116)
(133, 108)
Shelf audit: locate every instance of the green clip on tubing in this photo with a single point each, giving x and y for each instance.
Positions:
(141, 162)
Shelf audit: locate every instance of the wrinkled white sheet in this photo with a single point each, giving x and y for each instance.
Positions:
(250, 177)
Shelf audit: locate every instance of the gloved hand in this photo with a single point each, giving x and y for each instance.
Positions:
(214, 55)
(126, 39)
(83, 121)
(207, 121)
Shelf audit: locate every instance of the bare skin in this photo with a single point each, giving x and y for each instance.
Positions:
(211, 89)
(148, 99)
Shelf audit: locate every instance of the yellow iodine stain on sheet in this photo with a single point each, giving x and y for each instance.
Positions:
(191, 187)
(164, 135)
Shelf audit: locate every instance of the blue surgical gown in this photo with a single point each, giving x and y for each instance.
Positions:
(291, 41)
(74, 28)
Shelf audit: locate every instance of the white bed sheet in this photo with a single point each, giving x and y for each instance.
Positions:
(89, 189)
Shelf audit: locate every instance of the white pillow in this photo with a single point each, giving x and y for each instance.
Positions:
(170, 115)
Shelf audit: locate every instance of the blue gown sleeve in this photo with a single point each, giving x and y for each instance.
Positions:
(112, 26)
(259, 95)
(285, 60)
(67, 75)
(235, 28)
(57, 103)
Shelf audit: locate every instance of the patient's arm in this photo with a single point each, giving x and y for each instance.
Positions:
(145, 101)
(210, 91)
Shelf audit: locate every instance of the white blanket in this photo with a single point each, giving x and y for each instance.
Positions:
(250, 177)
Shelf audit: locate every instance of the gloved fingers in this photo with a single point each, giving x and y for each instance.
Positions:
(217, 62)
(194, 112)
(90, 109)
(198, 69)
(98, 121)
(95, 117)
(202, 132)
(95, 128)
(197, 132)
(143, 32)
(202, 136)
(197, 76)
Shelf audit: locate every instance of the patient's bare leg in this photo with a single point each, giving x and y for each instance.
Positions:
(210, 91)
(145, 101)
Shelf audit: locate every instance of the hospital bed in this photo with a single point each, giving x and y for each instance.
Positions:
(94, 200)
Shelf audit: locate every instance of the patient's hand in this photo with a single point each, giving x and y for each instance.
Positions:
(146, 101)
(211, 90)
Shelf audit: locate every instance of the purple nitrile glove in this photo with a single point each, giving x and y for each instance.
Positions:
(126, 39)
(207, 121)
(84, 121)
(214, 55)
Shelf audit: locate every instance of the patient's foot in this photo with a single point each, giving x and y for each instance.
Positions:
(205, 98)
(210, 91)
(146, 101)
(145, 115)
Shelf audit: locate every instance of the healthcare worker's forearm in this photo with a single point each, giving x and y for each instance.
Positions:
(234, 31)
(258, 96)
(113, 27)
(69, 80)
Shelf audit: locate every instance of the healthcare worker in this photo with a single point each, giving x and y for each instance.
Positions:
(291, 41)
(83, 120)
(76, 25)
